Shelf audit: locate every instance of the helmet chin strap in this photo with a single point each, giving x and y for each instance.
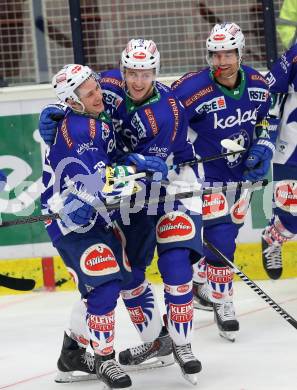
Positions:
(83, 110)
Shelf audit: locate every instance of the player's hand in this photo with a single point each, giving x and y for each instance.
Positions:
(116, 189)
(76, 212)
(48, 121)
(150, 164)
(258, 161)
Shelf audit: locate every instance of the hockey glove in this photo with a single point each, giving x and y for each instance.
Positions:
(76, 212)
(150, 164)
(48, 121)
(114, 190)
(3, 181)
(258, 160)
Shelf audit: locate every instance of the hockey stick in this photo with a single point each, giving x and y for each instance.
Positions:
(251, 284)
(19, 284)
(162, 199)
(233, 146)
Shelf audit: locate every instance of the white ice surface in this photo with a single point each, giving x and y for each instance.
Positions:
(264, 355)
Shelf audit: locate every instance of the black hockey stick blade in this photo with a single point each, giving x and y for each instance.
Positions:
(251, 284)
(19, 284)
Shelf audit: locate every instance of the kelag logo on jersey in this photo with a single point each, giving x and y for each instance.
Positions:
(233, 121)
(258, 94)
(212, 105)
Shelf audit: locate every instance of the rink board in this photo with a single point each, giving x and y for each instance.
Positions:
(248, 260)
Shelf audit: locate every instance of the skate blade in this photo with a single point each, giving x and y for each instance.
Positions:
(192, 378)
(227, 335)
(199, 306)
(104, 386)
(74, 376)
(162, 361)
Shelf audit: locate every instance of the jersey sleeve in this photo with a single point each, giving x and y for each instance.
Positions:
(91, 146)
(282, 77)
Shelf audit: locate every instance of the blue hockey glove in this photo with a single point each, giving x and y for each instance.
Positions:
(76, 211)
(48, 121)
(3, 181)
(258, 160)
(150, 164)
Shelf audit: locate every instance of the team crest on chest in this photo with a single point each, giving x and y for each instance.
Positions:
(243, 139)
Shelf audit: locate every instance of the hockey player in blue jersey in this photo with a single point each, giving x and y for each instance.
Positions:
(226, 100)
(151, 121)
(76, 179)
(282, 227)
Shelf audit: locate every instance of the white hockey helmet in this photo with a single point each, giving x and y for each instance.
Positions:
(68, 79)
(141, 54)
(226, 36)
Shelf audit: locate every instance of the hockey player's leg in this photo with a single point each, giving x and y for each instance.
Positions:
(283, 225)
(220, 278)
(96, 359)
(156, 350)
(200, 289)
(175, 268)
(273, 237)
(101, 303)
(95, 321)
(75, 363)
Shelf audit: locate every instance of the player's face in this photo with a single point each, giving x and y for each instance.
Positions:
(90, 95)
(227, 61)
(139, 83)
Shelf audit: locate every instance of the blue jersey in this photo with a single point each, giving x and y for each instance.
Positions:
(84, 146)
(158, 127)
(283, 79)
(216, 113)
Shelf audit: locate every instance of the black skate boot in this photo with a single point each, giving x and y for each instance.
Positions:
(224, 315)
(271, 255)
(74, 358)
(188, 363)
(110, 372)
(161, 349)
(200, 295)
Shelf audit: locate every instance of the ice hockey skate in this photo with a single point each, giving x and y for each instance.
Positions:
(271, 255)
(110, 372)
(75, 364)
(149, 355)
(200, 295)
(189, 365)
(224, 315)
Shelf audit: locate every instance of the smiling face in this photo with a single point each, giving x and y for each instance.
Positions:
(90, 94)
(139, 83)
(225, 64)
